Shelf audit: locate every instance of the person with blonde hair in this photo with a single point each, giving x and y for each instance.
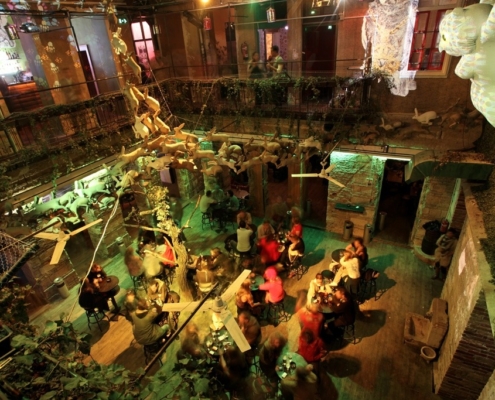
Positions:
(133, 262)
(311, 317)
(244, 299)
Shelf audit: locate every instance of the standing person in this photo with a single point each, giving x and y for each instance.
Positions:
(243, 238)
(250, 327)
(90, 298)
(191, 342)
(359, 250)
(443, 254)
(244, 216)
(311, 347)
(270, 351)
(276, 63)
(133, 262)
(349, 271)
(296, 227)
(255, 71)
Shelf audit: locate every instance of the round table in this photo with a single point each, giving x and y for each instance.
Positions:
(256, 282)
(217, 340)
(107, 285)
(282, 370)
(336, 255)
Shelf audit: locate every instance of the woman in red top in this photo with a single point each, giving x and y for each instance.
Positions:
(269, 250)
(311, 318)
(297, 228)
(310, 347)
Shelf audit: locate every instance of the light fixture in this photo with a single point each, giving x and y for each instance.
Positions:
(329, 27)
(207, 23)
(270, 14)
(313, 12)
(286, 27)
(379, 155)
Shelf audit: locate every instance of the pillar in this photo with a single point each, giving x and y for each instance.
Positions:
(258, 189)
(245, 34)
(297, 186)
(294, 52)
(193, 48)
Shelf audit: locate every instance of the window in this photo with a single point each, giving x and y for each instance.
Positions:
(425, 56)
(143, 42)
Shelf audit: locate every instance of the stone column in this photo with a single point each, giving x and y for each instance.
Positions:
(193, 48)
(437, 197)
(258, 190)
(245, 34)
(294, 52)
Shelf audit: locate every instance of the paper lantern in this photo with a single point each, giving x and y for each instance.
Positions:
(270, 14)
(207, 23)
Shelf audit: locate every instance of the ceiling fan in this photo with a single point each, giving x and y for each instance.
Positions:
(62, 238)
(220, 311)
(324, 173)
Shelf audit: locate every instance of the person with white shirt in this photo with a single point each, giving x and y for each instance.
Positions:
(316, 286)
(244, 238)
(206, 201)
(349, 270)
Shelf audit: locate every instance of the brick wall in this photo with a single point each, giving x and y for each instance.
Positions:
(191, 184)
(434, 204)
(362, 176)
(467, 357)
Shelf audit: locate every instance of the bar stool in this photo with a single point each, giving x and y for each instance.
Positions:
(150, 350)
(206, 220)
(348, 333)
(97, 315)
(276, 312)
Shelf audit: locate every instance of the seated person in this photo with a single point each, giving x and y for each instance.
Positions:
(96, 273)
(220, 263)
(265, 229)
(311, 347)
(130, 304)
(191, 343)
(359, 250)
(133, 262)
(269, 250)
(296, 227)
(145, 331)
(343, 309)
(250, 327)
(157, 291)
(301, 386)
(151, 263)
(205, 202)
(316, 286)
(244, 299)
(310, 317)
(217, 194)
(90, 298)
(205, 278)
(349, 271)
(273, 286)
(232, 201)
(270, 351)
(244, 216)
(243, 238)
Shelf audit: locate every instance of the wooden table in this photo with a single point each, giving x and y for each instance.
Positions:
(106, 286)
(214, 344)
(295, 360)
(336, 255)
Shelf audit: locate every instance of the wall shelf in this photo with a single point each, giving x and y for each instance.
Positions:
(349, 207)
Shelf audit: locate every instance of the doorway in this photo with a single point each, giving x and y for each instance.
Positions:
(88, 71)
(399, 200)
(319, 49)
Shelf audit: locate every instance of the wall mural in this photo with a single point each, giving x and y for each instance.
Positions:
(470, 33)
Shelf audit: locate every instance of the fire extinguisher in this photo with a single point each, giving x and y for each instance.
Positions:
(245, 51)
(445, 226)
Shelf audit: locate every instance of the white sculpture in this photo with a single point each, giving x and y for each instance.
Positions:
(90, 191)
(212, 169)
(184, 164)
(211, 136)
(179, 134)
(151, 102)
(246, 164)
(425, 118)
(159, 164)
(267, 157)
(118, 44)
(271, 147)
(131, 62)
(196, 153)
(128, 91)
(54, 68)
(139, 128)
(470, 33)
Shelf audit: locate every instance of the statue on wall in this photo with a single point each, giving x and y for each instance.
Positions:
(470, 33)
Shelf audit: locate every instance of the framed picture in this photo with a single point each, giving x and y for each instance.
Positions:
(12, 31)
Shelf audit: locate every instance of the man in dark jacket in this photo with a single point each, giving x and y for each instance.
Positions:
(343, 309)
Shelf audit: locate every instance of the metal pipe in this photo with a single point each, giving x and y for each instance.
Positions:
(176, 333)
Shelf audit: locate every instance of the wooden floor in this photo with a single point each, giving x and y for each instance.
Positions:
(378, 367)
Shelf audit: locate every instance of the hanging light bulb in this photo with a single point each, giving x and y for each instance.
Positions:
(270, 14)
(207, 23)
